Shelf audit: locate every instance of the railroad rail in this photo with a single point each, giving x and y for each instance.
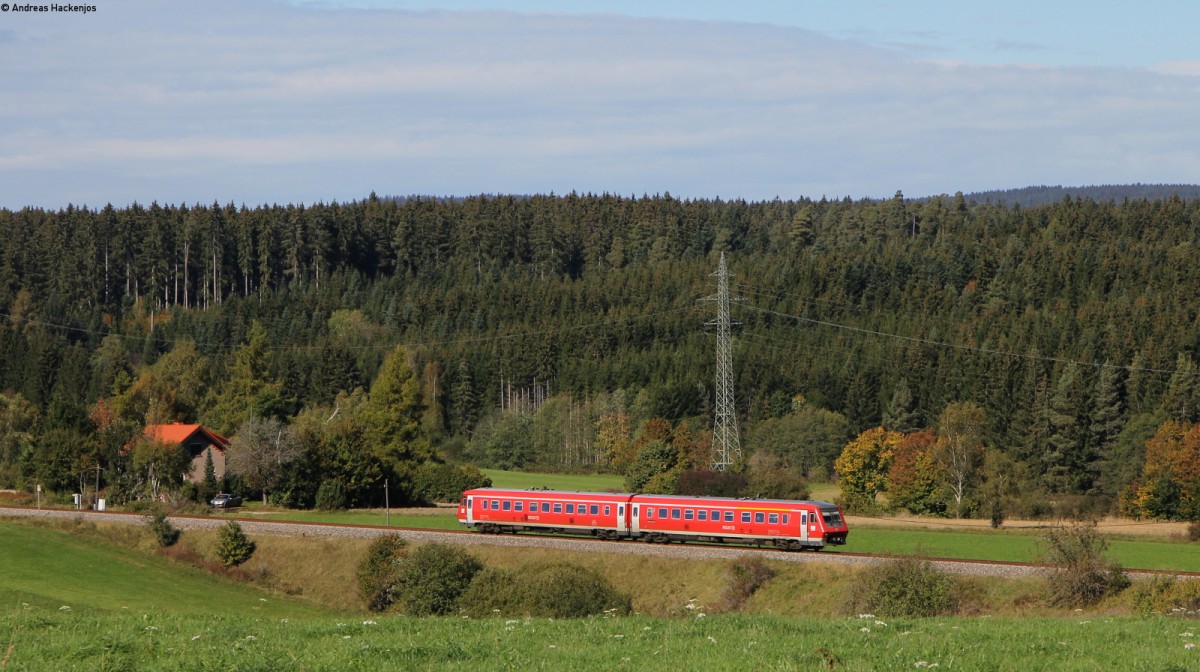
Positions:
(690, 550)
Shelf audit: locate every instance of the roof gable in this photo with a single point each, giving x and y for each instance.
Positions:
(180, 433)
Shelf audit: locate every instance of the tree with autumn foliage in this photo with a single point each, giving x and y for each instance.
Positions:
(863, 466)
(915, 476)
(960, 450)
(1170, 482)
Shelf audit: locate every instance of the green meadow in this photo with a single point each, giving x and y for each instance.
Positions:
(80, 597)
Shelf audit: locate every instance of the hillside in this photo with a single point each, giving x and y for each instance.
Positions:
(1072, 326)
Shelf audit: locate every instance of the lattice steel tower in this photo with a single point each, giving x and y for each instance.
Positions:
(727, 447)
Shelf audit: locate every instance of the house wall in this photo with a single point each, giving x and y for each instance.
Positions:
(196, 475)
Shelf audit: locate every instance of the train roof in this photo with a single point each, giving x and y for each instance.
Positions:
(693, 498)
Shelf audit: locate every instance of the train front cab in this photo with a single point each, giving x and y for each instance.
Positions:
(831, 524)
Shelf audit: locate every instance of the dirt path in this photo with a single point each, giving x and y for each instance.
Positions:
(1121, 526)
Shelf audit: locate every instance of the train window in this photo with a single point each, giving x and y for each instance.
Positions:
(594, 509)
(495, 505)
(745, 516)
(804, 518)
(716, 515)
(675, 514)
(689, 514)
(485, 506)
(773, 518)
(650, 512)
(662, 513)
(607, 510)
(507, 505)
(533, 507)
(558, 507)
(758, 517)
(702, 515)
(729, 516)
(786, 518)
(570, 508)
(519, 506)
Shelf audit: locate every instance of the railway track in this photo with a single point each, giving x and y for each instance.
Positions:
(562, 542)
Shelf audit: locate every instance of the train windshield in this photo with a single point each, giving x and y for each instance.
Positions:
(832, 517)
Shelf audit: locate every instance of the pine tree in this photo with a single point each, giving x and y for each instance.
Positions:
(1107, 416)
(1179, 401)
(901, 414)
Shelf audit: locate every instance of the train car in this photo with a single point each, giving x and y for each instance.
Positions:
(789, 525)
(600, 514)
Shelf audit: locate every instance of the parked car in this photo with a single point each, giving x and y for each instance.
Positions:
(225, 501)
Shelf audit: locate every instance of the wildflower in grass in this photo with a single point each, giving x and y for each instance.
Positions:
(712, 639)
(1186, 634)
(881, 624)
(283, 620)
(511, 622)
(64, 608)
(553, 646)
(921, 663)
(618, 636)
(346, 637)
(195, 637)
(1189, 645)
(864, 629)
(151, 628)
(871, 616)
(647, 628)
(701, 615)
(251, 638)
(370, 623)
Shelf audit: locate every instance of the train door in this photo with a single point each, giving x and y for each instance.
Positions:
(636, 526)
(804, 525)
(622, 521)
(470, 510)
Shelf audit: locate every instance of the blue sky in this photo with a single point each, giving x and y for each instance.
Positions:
(264, 101)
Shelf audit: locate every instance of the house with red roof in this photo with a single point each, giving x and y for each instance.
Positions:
(198, 442)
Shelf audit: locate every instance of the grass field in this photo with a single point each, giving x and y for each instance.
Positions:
(69, 601)
(41, 639)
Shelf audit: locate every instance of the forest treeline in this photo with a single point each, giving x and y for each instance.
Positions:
(568, 332)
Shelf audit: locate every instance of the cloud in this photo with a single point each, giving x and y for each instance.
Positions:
(263, 102)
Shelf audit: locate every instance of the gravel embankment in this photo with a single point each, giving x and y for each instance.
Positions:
(525, 540)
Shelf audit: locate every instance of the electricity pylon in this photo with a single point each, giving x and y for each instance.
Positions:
(727, 446)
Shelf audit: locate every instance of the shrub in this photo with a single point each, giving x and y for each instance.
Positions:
(552, 590)
(378, 571)
(434, 482)
(431, 578)
(905, 587)
(233, 546)
(1082, 575)
(743, 578)
(1167, 595)
(1193, 531)
(331, 495)
(163, 531)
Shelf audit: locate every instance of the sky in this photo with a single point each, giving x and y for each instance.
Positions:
(299, 101)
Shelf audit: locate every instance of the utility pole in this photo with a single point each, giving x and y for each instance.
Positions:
(727, 446)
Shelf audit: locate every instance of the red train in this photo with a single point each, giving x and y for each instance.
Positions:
(788, 525)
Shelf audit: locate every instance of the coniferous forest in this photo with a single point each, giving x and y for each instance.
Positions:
(941, 356)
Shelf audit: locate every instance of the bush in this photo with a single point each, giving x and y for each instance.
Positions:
(743, 578)
(434, 482)
(904, 587)
(377, 572)
(431, 578)
(707, 483)
(1082, 575)
(331, 495)
(233, 547)
(163, 531)
(1167, 595)
(1193, 531)
(551, 590)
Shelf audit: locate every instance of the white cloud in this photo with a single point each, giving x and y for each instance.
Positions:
(259, 102)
